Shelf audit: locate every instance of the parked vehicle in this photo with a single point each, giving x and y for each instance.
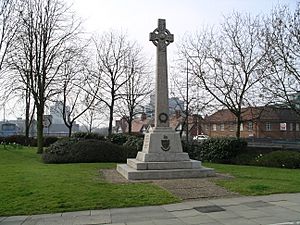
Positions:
(200, 137)
(8, 129)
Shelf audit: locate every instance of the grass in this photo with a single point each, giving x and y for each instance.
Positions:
(28, 186)
(251, 180)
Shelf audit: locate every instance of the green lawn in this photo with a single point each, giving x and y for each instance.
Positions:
(27, 186)
(251, 180)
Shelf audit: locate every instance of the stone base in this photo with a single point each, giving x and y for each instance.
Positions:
(133, 174)
(162, 158)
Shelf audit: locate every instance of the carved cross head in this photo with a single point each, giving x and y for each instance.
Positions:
(161, 37)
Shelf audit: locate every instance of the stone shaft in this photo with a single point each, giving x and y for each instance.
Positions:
(161, 38)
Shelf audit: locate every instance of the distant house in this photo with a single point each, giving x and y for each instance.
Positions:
(177, 122)
(257, 122)
(139, 125)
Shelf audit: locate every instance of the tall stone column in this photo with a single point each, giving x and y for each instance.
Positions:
(161, 38)
(162, 156)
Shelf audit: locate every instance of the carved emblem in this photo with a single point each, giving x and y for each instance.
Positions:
(163, 117)
(165, 143)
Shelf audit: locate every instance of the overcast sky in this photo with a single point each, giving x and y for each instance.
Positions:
(139, 17)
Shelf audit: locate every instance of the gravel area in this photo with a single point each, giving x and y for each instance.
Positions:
(186, 189)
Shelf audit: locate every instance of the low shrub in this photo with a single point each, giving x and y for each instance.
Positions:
(87, 135)
(219, 150)
(118, 139)
(283, 159)
(48, 140)
(134, 142)
(86, 151)
(18, 139)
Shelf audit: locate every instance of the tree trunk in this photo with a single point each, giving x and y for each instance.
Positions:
(111, 117)
(130, 119)
(40, 135)
(238, 128)
(70, 129)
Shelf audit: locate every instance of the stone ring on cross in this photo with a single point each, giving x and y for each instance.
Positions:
(161, 36)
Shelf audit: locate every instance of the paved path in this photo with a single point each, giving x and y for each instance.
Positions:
(281, 209)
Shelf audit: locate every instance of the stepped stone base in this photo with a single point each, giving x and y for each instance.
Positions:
(159, 161)
(138, 170)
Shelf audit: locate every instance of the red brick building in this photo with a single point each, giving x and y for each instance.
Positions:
(257, 122)
(177, 122)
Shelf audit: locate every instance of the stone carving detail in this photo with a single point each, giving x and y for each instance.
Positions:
(165, 143)
(161, 36)
(163, 117)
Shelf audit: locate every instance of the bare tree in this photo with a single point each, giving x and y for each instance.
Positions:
(230, 63)
(136, 89)
(190, 97)
(47, 30)
(91, 119)
(76, 96)
(8, 27)
(113, 50)
(281, 33)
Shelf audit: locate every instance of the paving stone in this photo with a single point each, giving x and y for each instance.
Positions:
(248, 214)
(100, 212)
(44, 216)
(257, 204)
(177, 207)
(236, 221)
(15, 218)
(78, 213)
(230, 201)
(114, 224)
(235, 208)
(11, 222)
(222, 215)
(268, 220)
(186, 213)
(168, 222)
(141, 223)
(199, 220)
(81, 220)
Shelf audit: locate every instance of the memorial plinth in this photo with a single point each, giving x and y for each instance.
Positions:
(162, 156)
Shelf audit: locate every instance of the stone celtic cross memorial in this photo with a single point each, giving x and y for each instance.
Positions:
(162, 156)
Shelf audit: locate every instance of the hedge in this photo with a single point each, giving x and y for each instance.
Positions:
(219, 150)
(86, 151)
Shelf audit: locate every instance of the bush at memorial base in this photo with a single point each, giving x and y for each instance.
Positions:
(118, 139)
(220, 150)
(86, 135)
(86, 151)
(134, 142)
(283, 159)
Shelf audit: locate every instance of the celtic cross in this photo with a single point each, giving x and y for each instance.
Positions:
(161, 37)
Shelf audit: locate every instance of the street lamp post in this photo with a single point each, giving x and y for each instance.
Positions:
(187, 101)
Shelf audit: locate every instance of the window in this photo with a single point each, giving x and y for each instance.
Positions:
(222, 127)
(291, 126)
(214, 127)
(268, 126)
(206, 127)
(232, 126)
(250, 126)
(297, 127)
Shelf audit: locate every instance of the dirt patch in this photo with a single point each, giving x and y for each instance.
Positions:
(186, 189)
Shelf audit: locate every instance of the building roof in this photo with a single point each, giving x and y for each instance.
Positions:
(266, 113)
